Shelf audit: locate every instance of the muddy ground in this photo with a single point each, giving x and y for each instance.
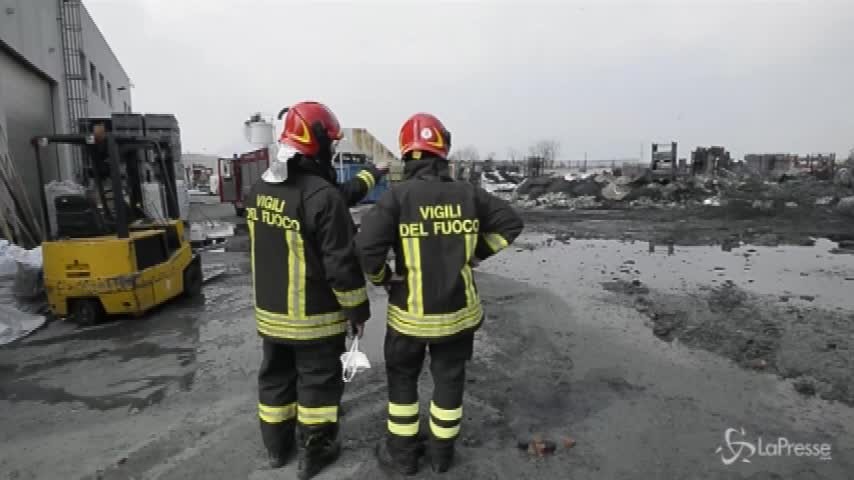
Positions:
(687, 225)
(639, 335)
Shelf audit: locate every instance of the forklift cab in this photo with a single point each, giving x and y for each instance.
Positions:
(116, 257)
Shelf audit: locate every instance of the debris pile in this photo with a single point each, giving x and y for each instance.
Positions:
(210, 232)
(737, 188)
(21, 291)
(500, 181)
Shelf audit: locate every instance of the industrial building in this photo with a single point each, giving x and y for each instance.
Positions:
(821, 164)
(711, 160)
(55, 67)
(359, 141)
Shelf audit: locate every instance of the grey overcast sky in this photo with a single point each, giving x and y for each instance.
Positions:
(602, 77)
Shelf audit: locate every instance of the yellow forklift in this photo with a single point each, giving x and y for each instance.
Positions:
(117, 257)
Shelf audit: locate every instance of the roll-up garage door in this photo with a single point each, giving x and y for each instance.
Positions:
(26, 110)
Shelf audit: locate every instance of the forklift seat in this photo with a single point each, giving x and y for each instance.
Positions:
(78, 217)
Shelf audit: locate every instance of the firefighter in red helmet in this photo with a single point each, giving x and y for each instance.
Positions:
(309, 290)
(437, 228)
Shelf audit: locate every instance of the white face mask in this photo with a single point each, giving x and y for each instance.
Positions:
(278, 171)
(285, 153)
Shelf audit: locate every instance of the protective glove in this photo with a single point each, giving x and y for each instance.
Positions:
(355, 323)
(394, 279)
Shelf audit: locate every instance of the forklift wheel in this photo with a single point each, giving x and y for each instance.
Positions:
(86, 311)
(193, 279)
(240, 211)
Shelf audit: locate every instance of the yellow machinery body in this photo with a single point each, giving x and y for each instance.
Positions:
(127, 275)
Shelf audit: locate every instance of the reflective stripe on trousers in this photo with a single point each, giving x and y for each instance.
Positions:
(445, 423)
(272, 414)
(403, 419)
(317, 415)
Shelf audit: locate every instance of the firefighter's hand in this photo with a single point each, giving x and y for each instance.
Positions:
(395, 279)
(356, 330)
(356, 318)
(383, 167)
(474, 262)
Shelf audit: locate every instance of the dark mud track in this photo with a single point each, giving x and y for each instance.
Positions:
(811, 345)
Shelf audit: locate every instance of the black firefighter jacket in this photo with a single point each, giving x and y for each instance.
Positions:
(306, 276)
(436, 227)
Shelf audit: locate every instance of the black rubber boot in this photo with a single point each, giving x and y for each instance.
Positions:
(399, 455)
(277, 459)
(279, 441)
(441, 456)
(319, 448)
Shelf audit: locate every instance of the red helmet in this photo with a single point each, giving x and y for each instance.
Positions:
(424, 132)
(305, 122)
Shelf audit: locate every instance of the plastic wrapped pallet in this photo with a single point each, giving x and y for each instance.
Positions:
(21, 291)
(183, 199)
(57, 189)
(154, 203)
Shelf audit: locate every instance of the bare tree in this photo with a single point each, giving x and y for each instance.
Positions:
(547, 150)
(513, 155)
(467, 154)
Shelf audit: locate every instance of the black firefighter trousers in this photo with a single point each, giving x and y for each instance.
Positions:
(404, 357)
(299, 383)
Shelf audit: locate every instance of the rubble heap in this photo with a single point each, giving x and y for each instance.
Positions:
(646, 189)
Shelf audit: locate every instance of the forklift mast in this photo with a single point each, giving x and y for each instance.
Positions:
(123, 152)
(152, 154)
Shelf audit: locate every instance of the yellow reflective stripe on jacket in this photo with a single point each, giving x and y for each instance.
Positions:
(351, 298)
(366, 177)
(296, 274)
(317, 415)
(271, 414)
(436, 319)
(434, 325)
(302, 333)
(308, 320)
(444, 433)
(446, 415)
(468, 281)
(495, 241)
(402, 410)
(403, 429)
(307, 328)
(414, 282)
(251, 225)
(379, 276)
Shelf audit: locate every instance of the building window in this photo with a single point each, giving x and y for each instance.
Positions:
(93, 76)
(103, 90)
(109, 94)
(83, 71)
